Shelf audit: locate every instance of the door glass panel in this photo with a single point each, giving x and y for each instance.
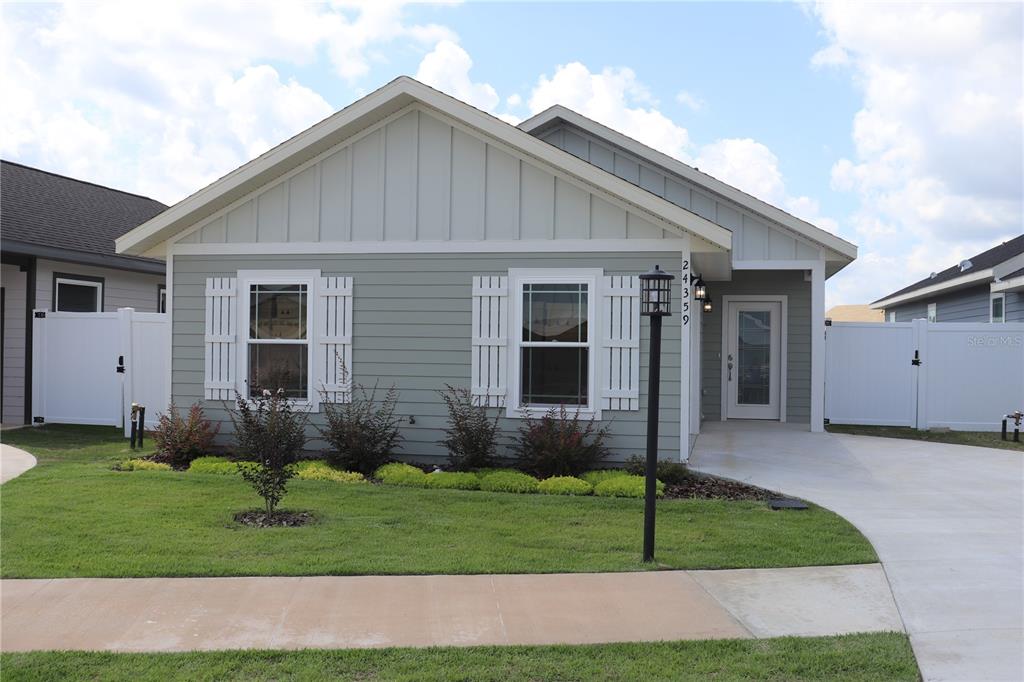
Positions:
(754, 358)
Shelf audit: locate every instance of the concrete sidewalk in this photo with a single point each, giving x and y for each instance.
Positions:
(181, 614)
(14, 462)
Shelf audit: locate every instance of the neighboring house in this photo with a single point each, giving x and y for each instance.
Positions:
(988, 287)
(854, 313)
(411, 239)
(57, 247)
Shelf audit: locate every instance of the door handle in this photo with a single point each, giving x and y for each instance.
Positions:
(120, 364)
(730, 367)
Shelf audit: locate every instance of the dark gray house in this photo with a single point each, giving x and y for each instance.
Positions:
(988, 287)
(57, 251)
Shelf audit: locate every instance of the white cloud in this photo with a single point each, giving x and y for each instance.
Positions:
(937, 168)
(447, 69)
(691, 101)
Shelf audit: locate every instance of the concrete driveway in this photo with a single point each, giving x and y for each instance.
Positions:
(947, 522)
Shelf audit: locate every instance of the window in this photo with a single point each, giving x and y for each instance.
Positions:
(997, 308)
(554, 341)
(278, 339)
(932, 312)
(77, 294)
(161, 298)
(892, 315)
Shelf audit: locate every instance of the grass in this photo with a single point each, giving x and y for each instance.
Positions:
(987, 439)
(877, 657)
(72, 516)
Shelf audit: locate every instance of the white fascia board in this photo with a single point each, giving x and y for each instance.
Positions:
(379, 104)
(1012, 284)
(924, 292)
(841, 247)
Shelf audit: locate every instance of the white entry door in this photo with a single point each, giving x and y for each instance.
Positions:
(752, 363)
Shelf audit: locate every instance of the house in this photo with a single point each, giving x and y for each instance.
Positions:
(413, 240)
(854, 313)
(988, 287)
(57, 247)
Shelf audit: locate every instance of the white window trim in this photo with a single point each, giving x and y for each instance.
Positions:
(992, 299)
(516, 279)
(246, 278)
(933, 312)
(98, 286)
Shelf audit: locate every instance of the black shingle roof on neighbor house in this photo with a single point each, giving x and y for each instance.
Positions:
(53, 216)
(983, 261)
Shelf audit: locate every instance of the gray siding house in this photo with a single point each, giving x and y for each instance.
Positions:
(57, 249)
(988, 287)
(413, 240)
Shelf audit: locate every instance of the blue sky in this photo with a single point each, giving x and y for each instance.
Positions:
(899, 127)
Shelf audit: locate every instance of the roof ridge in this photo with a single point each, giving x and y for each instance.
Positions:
(80, 181)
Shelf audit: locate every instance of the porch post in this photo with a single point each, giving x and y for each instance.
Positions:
(687, 318)
(818, 347)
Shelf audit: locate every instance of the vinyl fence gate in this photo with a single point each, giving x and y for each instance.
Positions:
(88, 368)
(964, 376)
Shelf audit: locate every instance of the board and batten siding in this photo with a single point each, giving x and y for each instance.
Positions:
(421, 177)
(412, 328)
(789, 283)
(754, 237)
(121, 288)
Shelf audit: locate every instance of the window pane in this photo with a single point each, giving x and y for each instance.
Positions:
(553, 376)
(77, 298)
(278, 365)
(997, 309)
(277, 311)
(754, 361)
(555, 312)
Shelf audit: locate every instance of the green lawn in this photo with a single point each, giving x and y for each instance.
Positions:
(73, 516)
(884, 657)
(986, 439)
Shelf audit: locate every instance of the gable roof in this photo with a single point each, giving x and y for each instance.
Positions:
(982, 269)
(44, 214)
(554, 115)
(150, 237)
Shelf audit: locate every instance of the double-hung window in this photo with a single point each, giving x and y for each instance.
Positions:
(554, 335)
(278, 349)
(997, 308)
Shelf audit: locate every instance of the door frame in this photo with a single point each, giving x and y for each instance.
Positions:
(783, 300)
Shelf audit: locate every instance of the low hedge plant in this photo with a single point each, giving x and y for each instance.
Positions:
(509, 482)
(565, 485)
(595, 478)
(319, 470)
(217, 465)
(625, 486)
(398, 473)
(453, 480)
(141, 465)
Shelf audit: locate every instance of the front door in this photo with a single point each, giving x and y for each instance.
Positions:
(754, 351)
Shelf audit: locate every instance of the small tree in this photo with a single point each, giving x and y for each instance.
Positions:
(270, 432)
(471, 436)
(180, 439)
(560, 444)
(362, 433)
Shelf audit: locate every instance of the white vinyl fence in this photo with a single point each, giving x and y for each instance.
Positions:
(964, 376)
(88, 368)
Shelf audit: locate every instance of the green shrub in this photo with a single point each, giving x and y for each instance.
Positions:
(471, 436)
(595, 478)
(481, 473)
(213, 465)
(565, 485)
(319, 470)
(669, 473)
(509, 482)
(560, 443)
(141, 465)
(625, 486)
(398, 473)
(453, 480)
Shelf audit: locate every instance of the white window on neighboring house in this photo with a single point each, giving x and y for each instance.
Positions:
(997, 308)
(161, 299)
(892, 315)
(76, 294)
(277, 338)
(932, 312)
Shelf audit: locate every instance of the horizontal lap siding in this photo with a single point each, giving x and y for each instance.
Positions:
(798, 349)
(1014, 306)
(121, 288)
(965, 305)
(412, 328)
(14, 282)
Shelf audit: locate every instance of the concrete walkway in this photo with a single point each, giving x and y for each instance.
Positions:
(14, 462)
(181, 614)
(947, 522)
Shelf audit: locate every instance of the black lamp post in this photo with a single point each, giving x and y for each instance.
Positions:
(655, 303)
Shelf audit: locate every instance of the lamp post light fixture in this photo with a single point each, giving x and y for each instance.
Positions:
(707, 305)
(655, 303)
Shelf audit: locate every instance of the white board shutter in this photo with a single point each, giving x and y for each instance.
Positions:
(490, 340)
(333, 351)
(620, 343)
(221, 338)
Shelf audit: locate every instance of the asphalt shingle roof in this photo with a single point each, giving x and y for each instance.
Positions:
(45, 209)
(982, 261)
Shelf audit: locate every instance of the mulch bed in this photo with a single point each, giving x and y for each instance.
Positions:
(704, 487)
(257, 518)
